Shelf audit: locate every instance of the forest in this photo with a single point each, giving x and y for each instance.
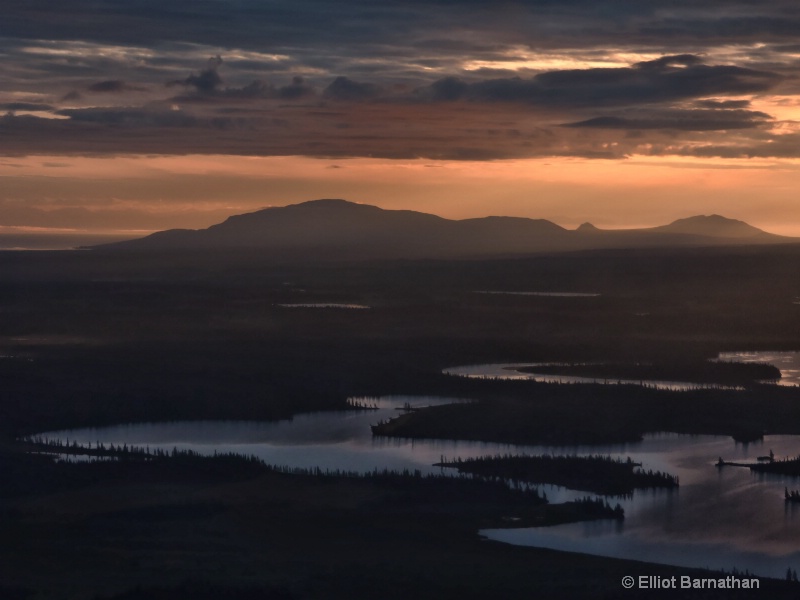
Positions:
(93, 339)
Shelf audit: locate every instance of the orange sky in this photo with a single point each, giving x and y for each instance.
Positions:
(123, 116)
(156, 192)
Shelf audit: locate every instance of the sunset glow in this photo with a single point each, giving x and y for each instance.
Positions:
(622, 115)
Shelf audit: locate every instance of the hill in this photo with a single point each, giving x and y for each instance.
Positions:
(341, 229)
(712, 226)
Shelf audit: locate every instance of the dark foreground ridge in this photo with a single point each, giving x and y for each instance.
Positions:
(341, 229)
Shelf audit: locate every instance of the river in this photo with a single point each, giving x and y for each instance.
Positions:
(719, 517)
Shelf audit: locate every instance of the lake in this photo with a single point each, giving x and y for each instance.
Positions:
(787, 362)
(719, 517)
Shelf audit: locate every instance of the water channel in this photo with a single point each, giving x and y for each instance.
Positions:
(719, 517)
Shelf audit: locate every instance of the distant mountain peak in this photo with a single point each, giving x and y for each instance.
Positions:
(712, 226)
(336, 204)
(333, 202)
(715, 218)
(333, 227)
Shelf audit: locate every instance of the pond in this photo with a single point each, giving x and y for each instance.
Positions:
(542, 294)
(324, 305)
(719, 517)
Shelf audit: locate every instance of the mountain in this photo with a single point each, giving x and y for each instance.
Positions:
(701, 230)
(712, 226)
(341, 229)
(587, 228)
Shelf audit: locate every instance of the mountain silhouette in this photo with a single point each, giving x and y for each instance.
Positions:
(712, 226)
(338, 228)
(587, 228)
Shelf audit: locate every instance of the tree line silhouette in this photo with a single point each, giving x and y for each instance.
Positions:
(786, 466)
(599, 474)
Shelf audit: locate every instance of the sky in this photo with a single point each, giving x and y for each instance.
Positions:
(140, 115)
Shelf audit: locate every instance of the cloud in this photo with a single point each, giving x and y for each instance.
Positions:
(438, 78)
(130, 117)
(208, 86)
(25, 106)
(71, 96)
(296, 90)
(781, 146)
(722, 103)
(667, 79)
(345, 89)
(205, 82)
(682, 120)
(113, 86)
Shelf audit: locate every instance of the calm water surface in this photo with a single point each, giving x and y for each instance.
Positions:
(787, 362)
(542, 294)
(324, 305)
(719, 518)
(509, 371)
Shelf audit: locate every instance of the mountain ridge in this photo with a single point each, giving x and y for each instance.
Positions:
(339, 227)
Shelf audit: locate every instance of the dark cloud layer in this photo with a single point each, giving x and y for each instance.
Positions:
(682, 120)
(281, 23)
(345, 89)
(207, 81)
(27, 106)
(461, 79)
(113, 86)
(667, 79)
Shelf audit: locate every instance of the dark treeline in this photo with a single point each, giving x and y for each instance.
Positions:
(722, 373)
(787, 466)
(599, 474)
(89, 385)
(96, 340)
(598, 508)
(489, 498)
(525, 412)
(188, 465)
(248, 380)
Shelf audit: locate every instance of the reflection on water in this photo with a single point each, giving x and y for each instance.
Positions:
(329, 440)
(719, 517)
(510, 371)
(787, 362)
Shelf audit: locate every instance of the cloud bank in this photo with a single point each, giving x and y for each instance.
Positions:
(444, 79)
